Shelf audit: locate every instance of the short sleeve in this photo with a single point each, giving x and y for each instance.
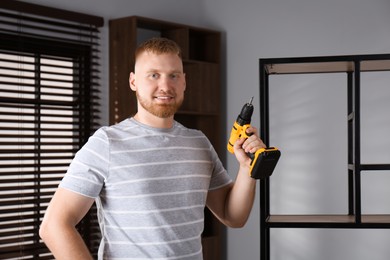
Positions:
(219, 177)
(88, 170)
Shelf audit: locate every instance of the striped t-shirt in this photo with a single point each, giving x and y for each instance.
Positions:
(150, 187)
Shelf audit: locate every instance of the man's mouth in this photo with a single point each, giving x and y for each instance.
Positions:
(164, 97)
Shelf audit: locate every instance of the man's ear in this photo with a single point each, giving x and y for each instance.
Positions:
(132, 81)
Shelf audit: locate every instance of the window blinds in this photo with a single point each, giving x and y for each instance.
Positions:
(49, 99)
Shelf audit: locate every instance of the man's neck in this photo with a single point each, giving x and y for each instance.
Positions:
(154, 121)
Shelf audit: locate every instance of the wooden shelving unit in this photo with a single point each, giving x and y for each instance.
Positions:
(352, 65)
(201, 107)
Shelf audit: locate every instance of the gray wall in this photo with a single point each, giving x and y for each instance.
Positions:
(308, 118)
(308, 112)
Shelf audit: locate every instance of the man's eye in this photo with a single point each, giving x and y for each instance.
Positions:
(154, 75)
(174, 76)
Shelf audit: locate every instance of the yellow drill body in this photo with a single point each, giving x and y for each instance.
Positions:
(263, 160)
(238, 131)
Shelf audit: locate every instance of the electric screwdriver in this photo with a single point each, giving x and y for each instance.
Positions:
(264, 160)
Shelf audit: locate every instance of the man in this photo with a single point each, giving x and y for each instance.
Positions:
(150, 176)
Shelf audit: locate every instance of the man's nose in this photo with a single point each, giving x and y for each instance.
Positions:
(165, 83)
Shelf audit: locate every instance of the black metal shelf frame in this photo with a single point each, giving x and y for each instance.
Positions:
(353, 65)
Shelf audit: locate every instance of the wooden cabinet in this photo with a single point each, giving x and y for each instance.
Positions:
(201, 107)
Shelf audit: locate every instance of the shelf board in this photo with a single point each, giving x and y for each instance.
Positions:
(314, 67)
(329, 221)
(370, 167)
(332, 64)
(375, 167)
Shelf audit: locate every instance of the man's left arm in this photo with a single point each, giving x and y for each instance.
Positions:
(233, 203)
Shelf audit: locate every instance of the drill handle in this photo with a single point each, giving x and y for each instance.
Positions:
(244, 133)
(238, 131)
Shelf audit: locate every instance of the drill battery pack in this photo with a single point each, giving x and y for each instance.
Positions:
(264, 162)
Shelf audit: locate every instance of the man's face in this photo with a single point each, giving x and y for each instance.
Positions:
(159, 83)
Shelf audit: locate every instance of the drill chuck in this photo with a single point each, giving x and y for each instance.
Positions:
(244, 118)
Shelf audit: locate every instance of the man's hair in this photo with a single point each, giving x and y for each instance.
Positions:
(158, 45)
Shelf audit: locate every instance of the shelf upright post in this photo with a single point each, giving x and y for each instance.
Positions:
(357, 162)
(351, 179)
(264, 184)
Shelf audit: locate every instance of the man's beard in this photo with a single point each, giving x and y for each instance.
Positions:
(159, 110)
